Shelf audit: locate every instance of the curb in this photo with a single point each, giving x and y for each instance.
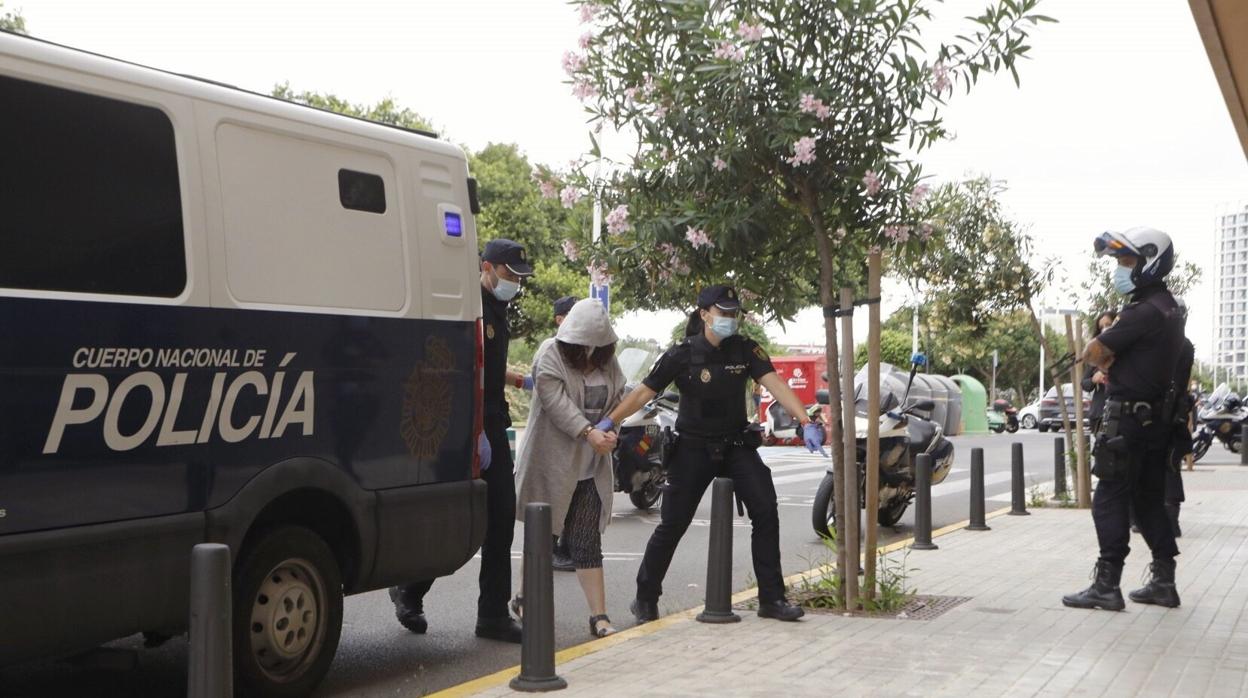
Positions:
(498, 678)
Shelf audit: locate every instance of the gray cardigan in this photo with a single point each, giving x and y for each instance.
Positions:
(552, 453)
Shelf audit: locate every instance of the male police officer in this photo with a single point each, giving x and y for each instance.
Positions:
(1140, 354)
(503, 267)
(711, 367)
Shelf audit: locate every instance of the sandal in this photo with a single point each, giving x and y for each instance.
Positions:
(600, 632)
(517, 607)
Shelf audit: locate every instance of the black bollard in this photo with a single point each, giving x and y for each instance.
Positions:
(718, 607)
(1243, 441)
(923, 503)
(1059, 467)
(1018, 495)
(537, 641)
(211, 664)
(977, 492)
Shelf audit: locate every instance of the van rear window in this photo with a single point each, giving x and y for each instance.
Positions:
(89, 195)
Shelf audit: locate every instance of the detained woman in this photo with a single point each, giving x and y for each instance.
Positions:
(564, 459)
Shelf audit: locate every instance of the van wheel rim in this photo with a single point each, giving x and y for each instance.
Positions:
(286, 618)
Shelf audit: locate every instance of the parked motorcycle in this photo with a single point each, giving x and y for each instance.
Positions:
(1003, 417)
(1222, 417)
(645, 437)
(780, 427)
(903, 435)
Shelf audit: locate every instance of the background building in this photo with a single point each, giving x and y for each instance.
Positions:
(1230, 325)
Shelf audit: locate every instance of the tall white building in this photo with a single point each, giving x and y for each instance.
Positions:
(1230, 323)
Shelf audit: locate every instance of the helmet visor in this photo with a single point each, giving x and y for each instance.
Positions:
(1110, 244)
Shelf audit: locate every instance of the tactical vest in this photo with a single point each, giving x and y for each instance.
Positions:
(712, 393)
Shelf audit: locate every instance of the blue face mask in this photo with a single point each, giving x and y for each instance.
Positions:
(1122, 280)
(505, 290)
(723, 327)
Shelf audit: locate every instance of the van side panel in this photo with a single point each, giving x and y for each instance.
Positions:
(118, 411)
(290, 237)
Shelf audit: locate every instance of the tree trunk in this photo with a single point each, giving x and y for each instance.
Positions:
(836, 429)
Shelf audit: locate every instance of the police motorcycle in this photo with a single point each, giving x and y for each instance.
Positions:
(645, 437)
(904, 434)
(780, 427)
(1222, 417)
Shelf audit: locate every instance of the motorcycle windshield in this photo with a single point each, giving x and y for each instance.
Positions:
(892, 389)
(635, 363)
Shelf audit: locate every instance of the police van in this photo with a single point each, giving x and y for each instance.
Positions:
(225, 318)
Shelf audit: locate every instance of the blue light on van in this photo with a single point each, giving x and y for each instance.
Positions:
(453, 223)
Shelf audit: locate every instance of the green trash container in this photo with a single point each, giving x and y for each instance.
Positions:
(974, 405)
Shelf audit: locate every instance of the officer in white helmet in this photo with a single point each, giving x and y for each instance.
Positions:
(1141, 355)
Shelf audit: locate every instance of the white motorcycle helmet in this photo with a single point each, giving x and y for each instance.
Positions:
(1152, 248)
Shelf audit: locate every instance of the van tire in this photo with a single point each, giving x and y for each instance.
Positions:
(287, 613)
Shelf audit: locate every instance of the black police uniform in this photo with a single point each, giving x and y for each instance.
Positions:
(711, 425)
(1133, 448)
(495, 575)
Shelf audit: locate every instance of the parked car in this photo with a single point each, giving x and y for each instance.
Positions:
(1050, 416)
(1029, 416)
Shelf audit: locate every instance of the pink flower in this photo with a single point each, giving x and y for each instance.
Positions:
(719, 164)
(679, 267)
(630, 93)
(571, 251)
(809, 105)
(925, 231)
(872, 182)
(803, 151)
(588, 11)
(660, 111)
(730, 52)
(586, 39)
(569, 196)
(598, 274)
(940, 78)
(665, 153)
(583, 90)
(897, 233)
(698, 238)
(918, 194)
(750, 32)
(617, 220)
(549, 188)
(573, 62)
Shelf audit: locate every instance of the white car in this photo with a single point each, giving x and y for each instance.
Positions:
(1029, 416)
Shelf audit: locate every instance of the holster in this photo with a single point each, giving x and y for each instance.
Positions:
(1111, 457)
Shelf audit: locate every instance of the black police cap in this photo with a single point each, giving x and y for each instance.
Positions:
(724, 297)
(563, 306)
(504, 251)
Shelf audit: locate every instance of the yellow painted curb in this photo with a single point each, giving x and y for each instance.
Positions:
(498, 678)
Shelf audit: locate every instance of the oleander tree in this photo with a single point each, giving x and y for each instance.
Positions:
(774, 140)
(12, 21)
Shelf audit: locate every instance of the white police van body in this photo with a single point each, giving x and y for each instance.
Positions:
(232, 319)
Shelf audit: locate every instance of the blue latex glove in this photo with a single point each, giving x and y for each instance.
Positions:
(528, 383)
(483, 449)
(605, 425)
(812, 434)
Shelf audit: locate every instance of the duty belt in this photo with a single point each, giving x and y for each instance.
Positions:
(1144, 411)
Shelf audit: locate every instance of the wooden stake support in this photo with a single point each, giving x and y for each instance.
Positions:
(873, 427)
(849, 493)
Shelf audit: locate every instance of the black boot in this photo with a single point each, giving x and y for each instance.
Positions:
(1159, 590)
(644, 611)
(1173, 511)
(780, 610)
(1104, 592)
(409, 611)
(504, 629)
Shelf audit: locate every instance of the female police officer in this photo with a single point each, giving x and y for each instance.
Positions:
(711, 367)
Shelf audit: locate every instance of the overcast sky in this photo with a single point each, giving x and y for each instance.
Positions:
(1119, 121)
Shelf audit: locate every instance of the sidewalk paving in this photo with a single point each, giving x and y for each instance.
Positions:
(1013, 637)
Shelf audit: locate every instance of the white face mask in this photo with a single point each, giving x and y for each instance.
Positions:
(723, 327)
(1122, 280)
(505, 290)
